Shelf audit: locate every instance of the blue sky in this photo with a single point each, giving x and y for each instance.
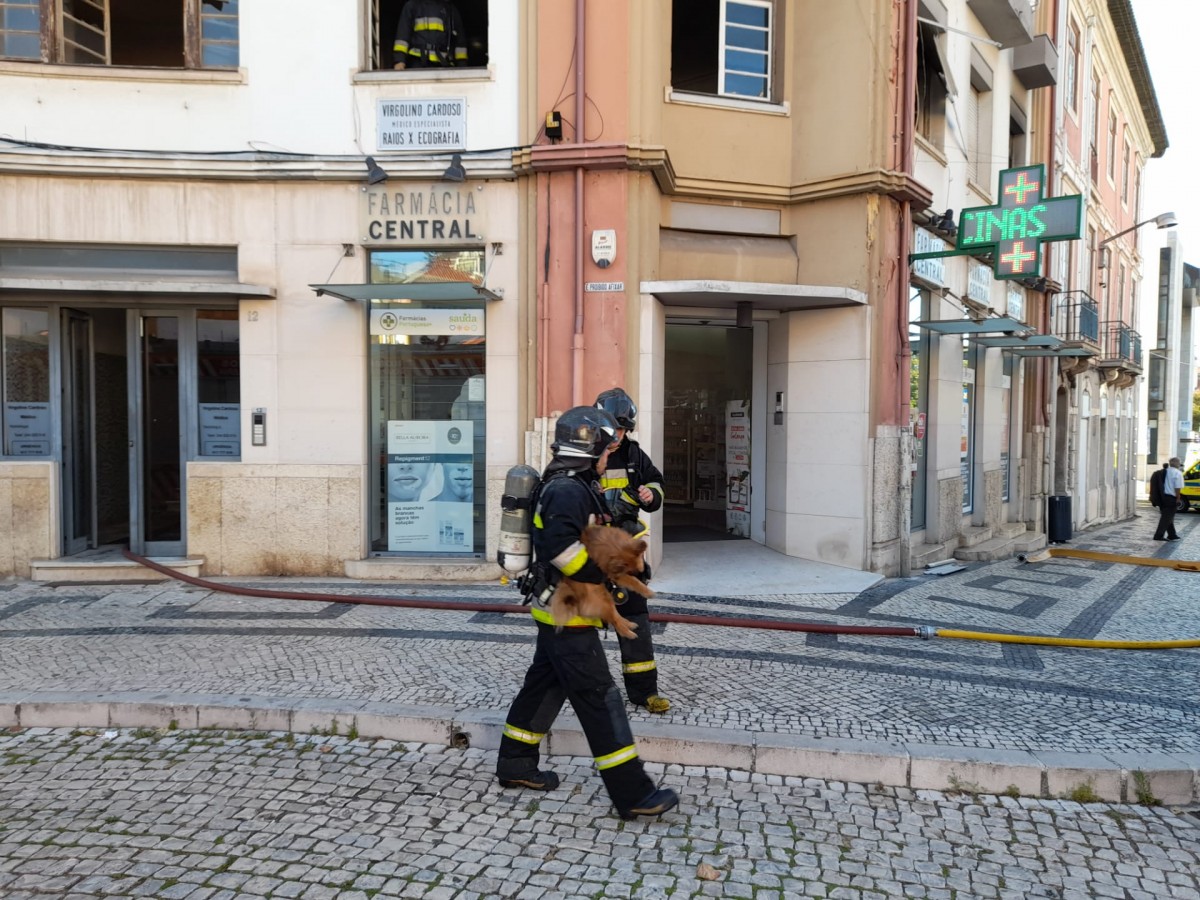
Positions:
(1170, 32)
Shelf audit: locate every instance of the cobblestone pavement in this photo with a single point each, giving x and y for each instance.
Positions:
(172, 637)
(210, 815)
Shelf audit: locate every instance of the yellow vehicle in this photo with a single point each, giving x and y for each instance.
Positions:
(1190, 495)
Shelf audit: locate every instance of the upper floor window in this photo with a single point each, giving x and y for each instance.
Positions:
(934, 84)
(723, 47)
(169, 34)
(429, 34)
(1017, 140)
(1137, 188)
(979, 125)
(1125, 167)
(1112, 141)
(1070, 77)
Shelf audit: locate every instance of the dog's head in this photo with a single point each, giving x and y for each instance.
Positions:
(614, 550)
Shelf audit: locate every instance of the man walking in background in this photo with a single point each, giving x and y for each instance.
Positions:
(1171, 486)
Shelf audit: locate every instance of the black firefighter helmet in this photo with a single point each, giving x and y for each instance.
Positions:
(583, 431)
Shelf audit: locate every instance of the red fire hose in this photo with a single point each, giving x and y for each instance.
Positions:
(467, 606)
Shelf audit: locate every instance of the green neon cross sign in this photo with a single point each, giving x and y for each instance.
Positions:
(1025, 218)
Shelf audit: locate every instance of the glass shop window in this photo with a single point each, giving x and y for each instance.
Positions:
(26, 387)
(428, 389)
(219, 382)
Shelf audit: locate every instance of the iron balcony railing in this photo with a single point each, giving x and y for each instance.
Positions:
(1122, 344)
(1076, 317)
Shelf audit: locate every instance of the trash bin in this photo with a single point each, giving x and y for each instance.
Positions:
(1058, 520)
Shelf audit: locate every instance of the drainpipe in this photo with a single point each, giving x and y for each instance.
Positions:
(1048, 371)
(580, 134)
(907, 111)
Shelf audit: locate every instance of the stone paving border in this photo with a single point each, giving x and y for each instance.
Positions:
(1171, 779)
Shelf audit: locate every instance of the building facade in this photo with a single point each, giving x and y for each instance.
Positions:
(1170, 383)
(302, 320)
(177, 377)
(1108, 125)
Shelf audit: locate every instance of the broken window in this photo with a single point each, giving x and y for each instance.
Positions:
(385, 17)
(169, 34)
(723, 47)
(934, 83)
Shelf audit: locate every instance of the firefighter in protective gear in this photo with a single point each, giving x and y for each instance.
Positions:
(569, 664)
(633, 484)
(429, 34)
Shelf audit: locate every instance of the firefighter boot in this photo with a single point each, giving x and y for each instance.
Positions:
(654, 804)
(535, 781)
(656, 704)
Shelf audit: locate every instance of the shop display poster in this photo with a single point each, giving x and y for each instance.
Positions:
(737, 467)
(430, 486)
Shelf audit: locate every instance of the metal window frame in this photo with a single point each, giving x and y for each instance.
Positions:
(770, 51)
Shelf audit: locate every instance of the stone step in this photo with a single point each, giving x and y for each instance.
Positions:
(1010, 529)
(101, 571)
(398, 569)
(924, 554)
(975, 534)
(986, 551)
(1029, 541)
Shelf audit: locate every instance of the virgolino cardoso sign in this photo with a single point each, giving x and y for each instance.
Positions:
(421, 125)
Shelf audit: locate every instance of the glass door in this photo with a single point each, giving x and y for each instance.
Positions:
(79, 433)
(157, 463)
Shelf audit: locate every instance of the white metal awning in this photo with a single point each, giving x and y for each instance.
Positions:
(137, 287)
(727, 294)
(420, 291)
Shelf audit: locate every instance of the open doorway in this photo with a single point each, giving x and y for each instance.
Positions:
(706, 429)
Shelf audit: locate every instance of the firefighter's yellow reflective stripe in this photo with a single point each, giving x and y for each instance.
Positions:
(610, 482)
(537, 520)
(519, 734)
(628, 499)
(609, 760)
(658, 489)
(400, 47)
(460, 53)
(429, 25)
(543, 616)
(572, 559)
(631, 668)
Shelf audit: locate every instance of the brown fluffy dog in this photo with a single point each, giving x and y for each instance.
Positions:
(618, 555)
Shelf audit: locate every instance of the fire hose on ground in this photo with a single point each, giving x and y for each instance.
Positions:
(924, 632)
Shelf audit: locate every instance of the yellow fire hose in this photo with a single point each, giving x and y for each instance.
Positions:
(1064, 642)
(1050, 552)
(1181, 565)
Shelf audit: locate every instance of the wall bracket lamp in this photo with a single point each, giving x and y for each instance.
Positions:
(375, 174)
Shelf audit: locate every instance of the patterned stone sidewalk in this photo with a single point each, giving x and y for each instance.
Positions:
(209, 815)
(1046, 719)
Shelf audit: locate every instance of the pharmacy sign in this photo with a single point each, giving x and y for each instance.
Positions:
(1014, 230)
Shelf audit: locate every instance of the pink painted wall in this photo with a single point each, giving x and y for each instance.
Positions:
(606, 351)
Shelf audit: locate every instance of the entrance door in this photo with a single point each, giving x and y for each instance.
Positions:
(79, 433)
(156, 463)
(123, 452)
(707, 418)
